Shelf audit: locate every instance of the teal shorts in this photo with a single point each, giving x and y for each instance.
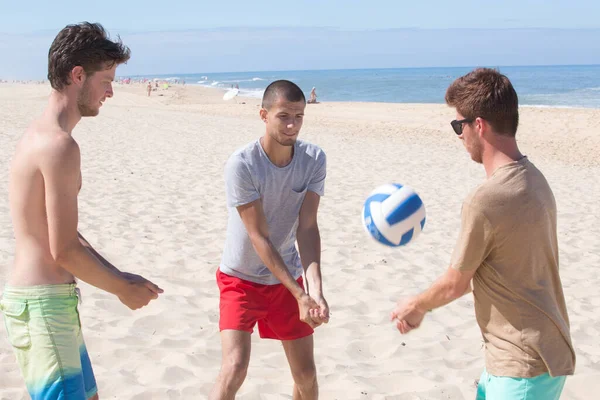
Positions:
(542, 387)
(43, 327)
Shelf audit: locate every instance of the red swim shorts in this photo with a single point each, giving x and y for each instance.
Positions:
(243, 304)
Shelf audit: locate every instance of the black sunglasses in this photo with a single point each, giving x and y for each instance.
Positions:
(457, 125)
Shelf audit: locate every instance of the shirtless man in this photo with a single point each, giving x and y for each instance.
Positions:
(40, 300)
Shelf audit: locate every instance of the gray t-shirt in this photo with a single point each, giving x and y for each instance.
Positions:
(250, 175)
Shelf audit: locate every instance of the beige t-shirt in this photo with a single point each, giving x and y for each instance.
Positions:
(508, 235)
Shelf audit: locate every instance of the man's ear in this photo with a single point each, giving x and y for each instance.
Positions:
(263, 114)
(78, 75)
(482, 126)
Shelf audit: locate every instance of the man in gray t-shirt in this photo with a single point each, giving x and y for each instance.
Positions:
(273, 188)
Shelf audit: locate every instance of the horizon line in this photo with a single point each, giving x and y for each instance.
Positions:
(359, 69)
(266, 27)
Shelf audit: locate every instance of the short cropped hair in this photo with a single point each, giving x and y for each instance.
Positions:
(487, 94)
(282, 89)
(86, 45)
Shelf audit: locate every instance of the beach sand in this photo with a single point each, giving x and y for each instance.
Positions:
(153, 203)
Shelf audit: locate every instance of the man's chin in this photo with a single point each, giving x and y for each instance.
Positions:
(90, 113)
(287, 141)
(477, 159)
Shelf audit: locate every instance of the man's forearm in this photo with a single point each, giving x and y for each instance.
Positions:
(273, 261)
(80, 262)
(442, 292)
(309, 246)
(102, 260)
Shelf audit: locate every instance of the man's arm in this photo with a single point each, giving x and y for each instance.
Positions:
(60, 168)
(309, 246)
(474, 244)
(309, 243)
(447, 288)
(127, 275)
(254, 220)
(452, 285)
(103, 260)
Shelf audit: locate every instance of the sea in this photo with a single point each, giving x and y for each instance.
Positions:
(572, 86)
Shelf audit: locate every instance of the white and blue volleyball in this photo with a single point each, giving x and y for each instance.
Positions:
(394, 214)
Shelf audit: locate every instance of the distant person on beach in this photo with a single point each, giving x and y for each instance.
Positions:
(149, 88)
(273, 187)
(507, 249)
(40, 300)
(313, 96)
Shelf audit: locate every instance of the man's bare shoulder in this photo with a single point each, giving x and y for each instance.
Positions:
(52, 146)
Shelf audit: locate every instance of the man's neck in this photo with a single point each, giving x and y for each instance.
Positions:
(278, 154)
(501, 153)
(63, 109)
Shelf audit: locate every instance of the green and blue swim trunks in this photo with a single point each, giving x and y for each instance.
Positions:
(44, 330)
(542, 387)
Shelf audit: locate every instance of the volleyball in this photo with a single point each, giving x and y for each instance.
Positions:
(394, 215)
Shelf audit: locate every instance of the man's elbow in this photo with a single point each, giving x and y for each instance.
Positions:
(84, 242)
(259, 240)
(307, 231)
(458, 290)
(64, 252)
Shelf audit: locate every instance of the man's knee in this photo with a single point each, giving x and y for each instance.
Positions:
(94, 397)
(306, 376)
(235, 368)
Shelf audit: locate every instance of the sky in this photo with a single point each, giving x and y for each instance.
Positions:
(222, 36)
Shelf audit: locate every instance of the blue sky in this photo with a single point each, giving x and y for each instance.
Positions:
(200, 36)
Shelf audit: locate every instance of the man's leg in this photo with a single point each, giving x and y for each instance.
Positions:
(43, 327)
(300, 355)
(235, 347)
(89, 380)
(542, 387)
(482, 385)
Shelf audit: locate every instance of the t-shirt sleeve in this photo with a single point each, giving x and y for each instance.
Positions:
(474, 241)
(239, 188)
(317, 180)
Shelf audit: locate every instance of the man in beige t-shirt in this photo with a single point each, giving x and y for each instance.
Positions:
(508, 248)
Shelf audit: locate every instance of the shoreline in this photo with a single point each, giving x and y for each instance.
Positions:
(222, 91)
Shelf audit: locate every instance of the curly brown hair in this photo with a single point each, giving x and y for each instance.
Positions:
(487, 94)
(86, 45)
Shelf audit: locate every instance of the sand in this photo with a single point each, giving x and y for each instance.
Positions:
(153, 203)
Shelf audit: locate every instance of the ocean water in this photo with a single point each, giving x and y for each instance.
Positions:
(551, 86)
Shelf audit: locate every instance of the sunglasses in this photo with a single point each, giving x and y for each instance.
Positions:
(457, 125)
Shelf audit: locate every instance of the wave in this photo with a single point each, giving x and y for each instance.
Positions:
(243, 80)
(254, 93)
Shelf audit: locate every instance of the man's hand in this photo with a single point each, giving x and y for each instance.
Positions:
(407, 316)
(138, 278)
(308, 307)
(138, 291)
(320, 315)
